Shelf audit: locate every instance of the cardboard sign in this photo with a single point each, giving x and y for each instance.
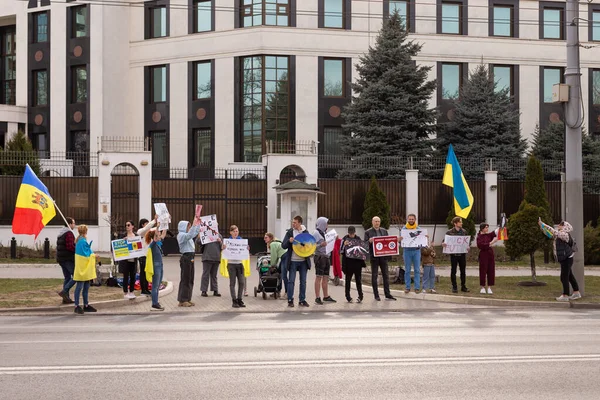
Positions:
(209, 229)
(330, 239)
(235, 249)
(414, 237)
(164, 219)
(125, 249)
(385, 246)
(356, 249)
(457, 244)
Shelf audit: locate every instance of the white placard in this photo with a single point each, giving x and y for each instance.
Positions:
(164, 219)
(209, 229)
(414, 237)
(236, 249)
(330, 239)
(128, 248)
(457, 244)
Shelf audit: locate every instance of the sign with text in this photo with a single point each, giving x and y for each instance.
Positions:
(414, 237)
(163, 216)
(125, 249)
(330, 239)
(356, 249)
(385, 246)
(236, 249)
(457, 244)
(209, 229)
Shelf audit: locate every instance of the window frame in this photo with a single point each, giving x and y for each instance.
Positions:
(73, 17)
(514, 17)
(463, 17)
(150, 135)
(514, 80)
(74, 80)
(195, 80)
(593, 9)
(340, 131)
(591, 73)
(344, 83)
(35, 83)
(194, 28)
(346, 15)
(290, 13)
(461, 79)
(35, 27)
(552, 5)
(195, 162)
(151, 70)
(543, 81)
(149, 7)
(410, 9)
(6, 31)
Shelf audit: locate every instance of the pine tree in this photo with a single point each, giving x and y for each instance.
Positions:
(389, 114)
(18, 152)
(376, 205)
(485, 122)
(535, 190)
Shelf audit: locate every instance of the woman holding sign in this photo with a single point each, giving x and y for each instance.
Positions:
(129, 267)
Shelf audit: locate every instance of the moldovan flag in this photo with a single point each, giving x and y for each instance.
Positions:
(34, 208)
(453, 177)
(85, 262)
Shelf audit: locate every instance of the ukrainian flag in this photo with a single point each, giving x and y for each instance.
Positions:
(85, 261)
(34, 208)
(453, 177)
(149, 268)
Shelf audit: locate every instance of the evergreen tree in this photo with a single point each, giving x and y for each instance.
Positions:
(376, 205)
(535, 190)
(389, 114)
(18, 152)
(485, 122)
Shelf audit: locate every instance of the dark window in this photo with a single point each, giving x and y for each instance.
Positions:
(265, 12)
(79, 84)
(40, 27)
(202, 148)
(160, 149)
(551, 76)
(79, 148)
(594, 17)
(202, 80)
(552, 21)
(2, 139)
(8, 65)
(596, 87)
(158, 22)
(265, 103)
(334, 79)
(40, 88)
(334, 13)
(452, 17)
(451, 81)
(40, 143)
(203, 15)
(79, 25)
(158, 84)
(504, 78)
(331, 140)
(503, 17)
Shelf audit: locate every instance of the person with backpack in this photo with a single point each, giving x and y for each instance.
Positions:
(65, 256)
(564, 250)
(322, 263)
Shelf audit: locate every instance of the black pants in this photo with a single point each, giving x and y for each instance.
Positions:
(236, 272)
(376, 263)
(186, 283)
(355, 271)
(461, 261)
(143, 280)
(128, 269)
(566, 276)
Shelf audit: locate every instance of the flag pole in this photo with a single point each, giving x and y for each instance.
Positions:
(60, 212)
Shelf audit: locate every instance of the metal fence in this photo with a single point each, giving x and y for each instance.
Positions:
(56, 163)
(512, 193)
(436, 201)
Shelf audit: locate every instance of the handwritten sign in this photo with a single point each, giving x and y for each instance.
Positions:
(125, 249)
(164, 218)
(356, 248)
(414, 237)
(385, 246)
(330, 239)
(457, 244)
(236, 249)
(209, 229)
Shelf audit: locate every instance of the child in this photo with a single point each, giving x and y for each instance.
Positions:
(428, 260)
(85, 269)
(154, 258)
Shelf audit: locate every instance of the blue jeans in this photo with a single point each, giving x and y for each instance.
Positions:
(412, 256)
(156, 280)
(68, 268)
(302, 268)
(428, 277)
(86, 287)
(283, 277)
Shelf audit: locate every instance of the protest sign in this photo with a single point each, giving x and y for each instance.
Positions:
(197, 214)
(330, 239)
(124, 249)
(457, 244)
(163, 216)
(385, 246)
(236, 249)
(209, 229)
(414, 237)
(356, 249)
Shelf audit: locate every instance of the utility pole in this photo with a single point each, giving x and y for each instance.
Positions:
(573, 122)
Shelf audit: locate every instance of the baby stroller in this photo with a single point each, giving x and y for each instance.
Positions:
(268, 276)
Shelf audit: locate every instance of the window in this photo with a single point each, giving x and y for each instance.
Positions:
(502, 23)
(2, 139)
(79, 84)
(8, 65)
(552, 16)
(404, 8)
(552, 76)
(594, 18)
(202, 80)
(40, 88)
(265, 12)
(333, 13)
(158, 84)
(79, 26)
(79, 152)
(40, 143)
(265, 103)
(334, 79)
(331, 141)
(203, 15)
(160, 149)
(451, 19)
(158, 22)
(40, 27)
(503, 76)
(202, 148)
(451, 81)
(595, 87)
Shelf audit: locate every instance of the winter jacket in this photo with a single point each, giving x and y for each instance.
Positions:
(319, 236)
(285, 244)
(428, 255)
(65, 246)
(211, 251)
(277, 252)
(369, 233)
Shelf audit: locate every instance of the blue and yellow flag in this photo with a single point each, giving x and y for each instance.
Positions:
(85, 261)
(149, 268)
(34, 208)
(453, 177)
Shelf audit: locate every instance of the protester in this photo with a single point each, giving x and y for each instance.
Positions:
(412, 257)
(322, 263)
(85, 270)
(295, 263)
(187, 248)
(277, 256)
(144, 227)
(65, 256)
(352, 266)
(378, 262)
(235, 269)
(154, 239)
(564, 252)
(128, 267)
(458, 259)
(428, 259)
(211, 258)
(487, 264)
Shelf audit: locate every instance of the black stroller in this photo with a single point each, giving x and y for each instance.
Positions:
(268, 276)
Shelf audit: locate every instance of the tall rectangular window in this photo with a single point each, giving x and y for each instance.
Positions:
(40, 143)
(451, 18)
(40, 88)
(595, 87)
(158, 22)
(552, 76)
(502, 24)
(334, 77)
(595, 25)
(79, 26)
(40, 27)
(79, 152)
(160, 149)
(202, 80)
(503, 77)
(203, 15)
(265, 12)
(202, 148)
(552, 21)
(79, 90)
(334, 11)
(451, 81)
(158, 84)
(331, 141)
(8, 65)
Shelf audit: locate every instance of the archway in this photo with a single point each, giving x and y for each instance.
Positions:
(290, 173)
(124, 197)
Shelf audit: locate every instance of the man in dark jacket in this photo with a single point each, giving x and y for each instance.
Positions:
(295, 263)
(65, 256)
(378, 262)
(458, 259)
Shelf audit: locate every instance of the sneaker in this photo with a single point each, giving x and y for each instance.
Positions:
(432, 291)
(89, 308)
(185, 304)
(126, 296)
(303, 304)
(78, 310)
(329, 299)
(575, 296)
(157, 307)
(349, 299)
(319, 301)
(489, 291)
(562, 298)
(454, 290)
(245, 294)
(241, 303)
(464, 289)
(390, 297)
(131, 296)
(204, 294)
(406, 291)
(482, 291)
(67, 301)
(216, 294)
(290, 304)
(235, 304)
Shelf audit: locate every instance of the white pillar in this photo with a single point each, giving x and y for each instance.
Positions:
(491, 197)
(412, 192)
(145, 188)
(104, 188)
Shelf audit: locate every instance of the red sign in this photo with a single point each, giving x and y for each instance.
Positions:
(385, 246)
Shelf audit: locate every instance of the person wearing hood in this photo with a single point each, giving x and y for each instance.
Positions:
(187, 248)
(65, 256)
(564, 252)
(322, 262)
(293, 262)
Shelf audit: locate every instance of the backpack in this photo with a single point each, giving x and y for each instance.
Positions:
(572, 244)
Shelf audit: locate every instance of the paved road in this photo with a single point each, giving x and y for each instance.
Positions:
(459, 354)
